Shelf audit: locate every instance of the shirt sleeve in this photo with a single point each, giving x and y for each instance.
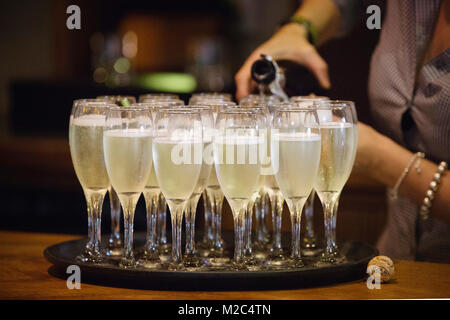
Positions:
(350, 11)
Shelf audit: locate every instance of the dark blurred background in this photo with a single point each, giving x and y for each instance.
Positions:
(134, 47)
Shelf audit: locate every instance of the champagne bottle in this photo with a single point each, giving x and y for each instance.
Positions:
(284, 78)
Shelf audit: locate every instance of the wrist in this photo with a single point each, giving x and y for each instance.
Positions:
(309, 30)
(299, 30)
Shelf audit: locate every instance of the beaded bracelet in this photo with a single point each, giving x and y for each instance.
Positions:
(434, 185)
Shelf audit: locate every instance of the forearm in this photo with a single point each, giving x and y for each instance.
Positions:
(324, 15)
(389, 161)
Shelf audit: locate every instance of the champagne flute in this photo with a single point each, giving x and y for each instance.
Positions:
(295, 155)
(212, 245)
(191, 258)
(178, 157)
(237, 164)
(127, 143)
(310, 243)
(86, 148)
(115, 245)
(276, 258)
(157, 249)
(339, 131)
(258, 203)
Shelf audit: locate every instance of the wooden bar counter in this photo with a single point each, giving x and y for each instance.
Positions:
(24, 275)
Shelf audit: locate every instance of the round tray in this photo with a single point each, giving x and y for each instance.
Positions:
(358, 255)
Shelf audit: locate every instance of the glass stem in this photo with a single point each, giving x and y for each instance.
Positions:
(162, 223)
(239, 225)
(259, 219)
(215, 199)
(333, 227)
(151, 205)
(309, 219)
(96, 204)
(217, 221)
(248, 228)
(191, 209)
(91, 233)
(207, 233)
(128, 215)
(176, 214)
(330, 204)
(115, 217)
(264, 210)
(296, 208)
(277, 201)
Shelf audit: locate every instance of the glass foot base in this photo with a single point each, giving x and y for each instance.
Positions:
(295, 264)
(260, 255)
(165, 258)
(176, 267)
(149, 264)
(239, 266)
(276, 260)
(149, 260)
(90, 256)
(192, 261)
(216, 263)
(311, 252)
(114, 253)
(127, 263)
(250, 260)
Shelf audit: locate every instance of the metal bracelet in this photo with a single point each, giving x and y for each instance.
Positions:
(417, 155)
(425, 209)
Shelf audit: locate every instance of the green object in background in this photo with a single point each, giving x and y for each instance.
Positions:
(168, 82)
(124, 103)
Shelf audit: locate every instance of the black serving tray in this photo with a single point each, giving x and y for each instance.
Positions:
(358, 255)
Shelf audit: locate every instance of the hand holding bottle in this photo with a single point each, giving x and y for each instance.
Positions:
(289, 43)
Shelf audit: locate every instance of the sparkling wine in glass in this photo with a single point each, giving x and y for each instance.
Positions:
(86, 148)
(212, 246)
(310, 244)
(114, 248)
(237, 163)
(191, 257)
(295, 155)
(339, 131)
(156, 249)
(127, 143)
(115, 245)
(178, 157)
(259, 203)
(276, 258)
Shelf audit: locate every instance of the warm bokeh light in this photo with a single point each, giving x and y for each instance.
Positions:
(129, 45)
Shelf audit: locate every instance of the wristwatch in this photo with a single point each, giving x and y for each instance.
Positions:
(310, 29)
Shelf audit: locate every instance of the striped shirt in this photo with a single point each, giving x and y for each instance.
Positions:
(413, 110)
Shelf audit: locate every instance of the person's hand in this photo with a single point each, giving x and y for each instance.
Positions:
(289, 43)
(369, 141)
